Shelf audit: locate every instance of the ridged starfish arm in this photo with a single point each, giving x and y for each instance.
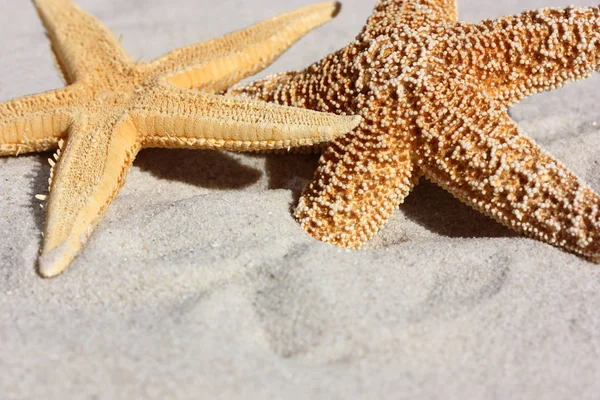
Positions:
(484, 160)
(82, 45)
(534, 51)
(219, 63)
(86, 177)
(357, 186)
(99, 152)
(37, 122)
(176, 117)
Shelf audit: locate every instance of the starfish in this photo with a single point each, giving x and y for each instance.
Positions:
(434, 95)
(113, 107)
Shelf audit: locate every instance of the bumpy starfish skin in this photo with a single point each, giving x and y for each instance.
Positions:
(114, 107)
(433, 94)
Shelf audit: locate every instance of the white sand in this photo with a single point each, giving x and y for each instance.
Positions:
(199, 284)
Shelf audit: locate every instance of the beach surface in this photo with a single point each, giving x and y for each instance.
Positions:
(199, 284)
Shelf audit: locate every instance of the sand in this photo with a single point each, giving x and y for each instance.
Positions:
(199, 284)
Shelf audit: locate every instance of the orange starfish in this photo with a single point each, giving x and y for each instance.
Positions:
(434, 94)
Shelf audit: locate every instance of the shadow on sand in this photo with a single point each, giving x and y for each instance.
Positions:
(428, 205)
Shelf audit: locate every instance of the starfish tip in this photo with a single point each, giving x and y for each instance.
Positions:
(54, 262)
(337, 8)
(595, 258)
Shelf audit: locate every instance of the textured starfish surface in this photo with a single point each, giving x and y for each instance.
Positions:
(434, 95)
(113, 107)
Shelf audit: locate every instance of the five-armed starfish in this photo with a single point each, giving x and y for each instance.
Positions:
(114, 107)
(434, 94)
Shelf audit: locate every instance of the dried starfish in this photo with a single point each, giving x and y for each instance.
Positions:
(114, 107)
(434, 94)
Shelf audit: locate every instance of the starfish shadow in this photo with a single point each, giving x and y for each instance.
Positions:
(438, 211)
(204, 168)
(291, 172)
(39, 185)
(427, 205)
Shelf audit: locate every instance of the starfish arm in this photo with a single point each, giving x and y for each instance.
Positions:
(391, 9)
(35, 123)
(390, 14)
(265, 89)
(175, 117)
(357, 186)
(86, 177)
(484, 160)
(219, 63)
(81, 44)
(535, 51)
(323, 86)
(444, 9)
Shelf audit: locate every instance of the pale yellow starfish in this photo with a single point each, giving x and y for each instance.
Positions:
(114, 107)
(434, 94)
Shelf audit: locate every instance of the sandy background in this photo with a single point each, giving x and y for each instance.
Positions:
(199, 284)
